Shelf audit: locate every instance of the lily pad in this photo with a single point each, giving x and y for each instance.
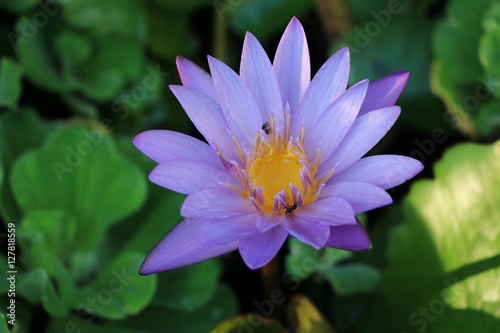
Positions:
(305, 318)
(444, 261)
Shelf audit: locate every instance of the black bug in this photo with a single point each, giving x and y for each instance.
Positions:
(291, 208)
(266, 128)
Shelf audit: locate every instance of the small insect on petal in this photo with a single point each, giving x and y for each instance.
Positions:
(291, 208)
(266, 128)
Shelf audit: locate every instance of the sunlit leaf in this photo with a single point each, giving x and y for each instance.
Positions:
(305, 318)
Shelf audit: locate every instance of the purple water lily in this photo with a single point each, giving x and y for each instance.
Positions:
(284, 155)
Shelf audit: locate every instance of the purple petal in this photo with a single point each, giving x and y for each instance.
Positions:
(162, 146)
(360, 196)
(216, 202)
(349, 237)
(384, 92)
(326, 86)
(234, 228)
(328, 210)
(187, 176)
(292, 65)
(258, 74)
(182, 246)
(308, 231)
(259, 248)
(366, 131)
(266, 222)
(384, 171)
(194, 77)
(336, 121)
(241, 110)
(207, 116)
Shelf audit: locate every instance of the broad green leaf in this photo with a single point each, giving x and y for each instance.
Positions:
(303, 260)
(36, 57)
(377, 51)
(264, 18)
(443, 261)
(179, 40)
(12, 144)
(72, 48)
(10, 82)
(53, 230)
(3, 323)
(119, 290)
(125, 17)
(458, 77)
(249, 323)
(78, 170)
(352, 278)
(305, 318)
(186, 4)
(37, 287)
(189, 287)
(158, 319)
(488, 117)
(18, 6)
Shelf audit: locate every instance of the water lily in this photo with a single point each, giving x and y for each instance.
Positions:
(284, 155)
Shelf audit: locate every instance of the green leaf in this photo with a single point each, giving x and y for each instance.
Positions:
(185, 5)
(3, 323)
(444, 262)
(179, 40)
(377, 51)
(303, 260)
(12, 145)
(264, 18)
(352, 278)
(18, 6)
(305, 318)
(488, 118)
(52, 229)
(250, 323)
(188, 288)
(39, 63)
(80, 172)
(119, 289)
(37, 287)
(125, 17)
(10, 82)
(458, 76)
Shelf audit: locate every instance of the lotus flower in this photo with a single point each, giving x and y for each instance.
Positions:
(284, 155)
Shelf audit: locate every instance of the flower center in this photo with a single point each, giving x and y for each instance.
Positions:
(275, 172)
(277, 176)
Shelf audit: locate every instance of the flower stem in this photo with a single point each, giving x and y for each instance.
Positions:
(273, 290)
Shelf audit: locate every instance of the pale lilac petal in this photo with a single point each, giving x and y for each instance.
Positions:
(366, 131)
(336, 121)
(241, 110)
(163, 145)
(349, 237)
(194, 77)
(258, 74)
(328, 210)
(231, 229)
(384, 171)
(259, 248)
(360, 196)
(182, 246)
(384, 92)
(266, 222)
(216, 202)
(206, 114)
(187, 176)
(308, 231)
(326, 86)
(291, 64)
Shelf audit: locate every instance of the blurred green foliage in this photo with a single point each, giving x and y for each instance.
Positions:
(80, 78)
